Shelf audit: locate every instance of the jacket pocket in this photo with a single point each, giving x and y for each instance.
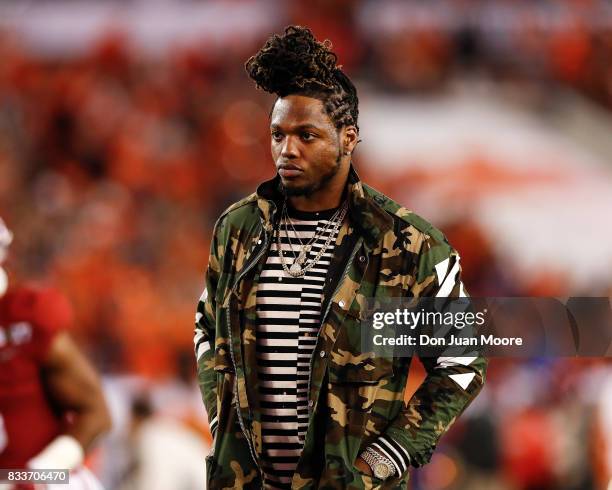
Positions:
(349, 362)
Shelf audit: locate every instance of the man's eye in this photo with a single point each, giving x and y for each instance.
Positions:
(276, 136)
(307, 136)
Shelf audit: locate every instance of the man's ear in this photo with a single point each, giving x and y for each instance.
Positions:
(350, 138)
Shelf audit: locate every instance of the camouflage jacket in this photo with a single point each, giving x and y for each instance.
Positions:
(383, 250)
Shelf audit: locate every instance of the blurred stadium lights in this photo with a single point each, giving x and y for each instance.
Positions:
(70, 28)
(498, 15)
(473, 153)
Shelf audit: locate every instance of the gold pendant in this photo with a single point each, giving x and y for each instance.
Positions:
(302, 257)
(295, 268)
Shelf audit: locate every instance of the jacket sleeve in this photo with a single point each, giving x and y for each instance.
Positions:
(451, 382)
(204, 338)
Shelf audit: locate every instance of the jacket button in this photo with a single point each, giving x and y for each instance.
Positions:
(362, 259)
(322, 353)
(341, 304)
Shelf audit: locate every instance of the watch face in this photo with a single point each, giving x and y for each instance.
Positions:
(381, 470)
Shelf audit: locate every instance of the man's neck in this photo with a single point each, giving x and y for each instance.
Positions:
(308, 204)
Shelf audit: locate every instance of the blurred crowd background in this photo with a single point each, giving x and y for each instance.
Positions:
(126, 127)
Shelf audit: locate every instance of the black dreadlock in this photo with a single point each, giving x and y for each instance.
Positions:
(296, 63)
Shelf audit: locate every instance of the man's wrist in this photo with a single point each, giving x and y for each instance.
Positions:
(381, 466)
(363, 466)
(389, 447)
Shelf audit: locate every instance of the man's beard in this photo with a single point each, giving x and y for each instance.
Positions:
(312, 188)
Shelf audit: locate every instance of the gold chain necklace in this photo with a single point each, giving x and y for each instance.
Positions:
(298, 269)
(305, 250)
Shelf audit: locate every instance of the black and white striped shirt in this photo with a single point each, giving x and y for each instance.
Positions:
(288, 311)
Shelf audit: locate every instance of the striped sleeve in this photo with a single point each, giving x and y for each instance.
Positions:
(201, 338)
(204, 355)
(204, 335)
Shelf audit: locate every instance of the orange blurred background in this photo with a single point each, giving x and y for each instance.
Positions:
(127, 127)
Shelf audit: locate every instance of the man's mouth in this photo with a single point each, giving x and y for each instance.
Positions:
(288, 170)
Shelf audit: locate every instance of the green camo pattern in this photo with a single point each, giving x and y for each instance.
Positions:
(382, 251)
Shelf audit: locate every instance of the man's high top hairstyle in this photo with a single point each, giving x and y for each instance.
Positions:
(297, 64)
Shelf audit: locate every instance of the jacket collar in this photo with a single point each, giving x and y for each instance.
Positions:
(367, 216)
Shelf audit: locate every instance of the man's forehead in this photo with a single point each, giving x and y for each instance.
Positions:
(299, 110)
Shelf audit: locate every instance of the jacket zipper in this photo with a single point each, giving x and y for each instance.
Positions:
(229, 329)
(346, 269)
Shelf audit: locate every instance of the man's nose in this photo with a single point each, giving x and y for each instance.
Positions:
(290, 148)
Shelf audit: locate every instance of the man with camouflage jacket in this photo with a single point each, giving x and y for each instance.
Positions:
(292, 400)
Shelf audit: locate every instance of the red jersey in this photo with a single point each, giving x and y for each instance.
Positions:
(29, 320)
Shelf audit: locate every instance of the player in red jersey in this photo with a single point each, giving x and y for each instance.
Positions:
(51, 403)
